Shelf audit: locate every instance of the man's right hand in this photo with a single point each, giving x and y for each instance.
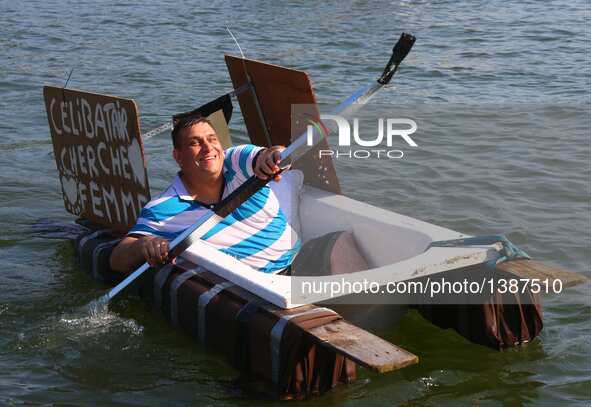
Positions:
(154, 249)
(132, 251)
(266, 165)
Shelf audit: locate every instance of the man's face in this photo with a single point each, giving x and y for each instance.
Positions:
(200, 153)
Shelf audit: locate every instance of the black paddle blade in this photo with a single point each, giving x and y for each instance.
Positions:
(399, 52)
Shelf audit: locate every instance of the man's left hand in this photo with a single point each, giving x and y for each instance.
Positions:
(266, 166)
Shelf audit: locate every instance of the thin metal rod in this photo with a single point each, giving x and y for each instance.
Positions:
(260, 113)
(168, 126)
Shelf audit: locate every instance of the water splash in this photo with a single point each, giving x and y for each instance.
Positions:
(96, 321)
(97, 307)
(75, 330)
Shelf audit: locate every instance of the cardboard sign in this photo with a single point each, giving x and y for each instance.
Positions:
(277, 90)
(99, 156)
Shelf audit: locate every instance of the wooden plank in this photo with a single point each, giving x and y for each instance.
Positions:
(277, 89)
(532, 269)
(364, 348)
(357, 344)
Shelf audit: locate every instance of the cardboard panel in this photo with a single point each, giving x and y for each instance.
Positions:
(99, 156)
(218, 112)
(277, 89)
(221, 128)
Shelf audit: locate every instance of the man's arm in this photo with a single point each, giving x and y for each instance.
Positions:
(131, 252)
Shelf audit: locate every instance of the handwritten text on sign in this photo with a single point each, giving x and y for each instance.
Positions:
(99, 155)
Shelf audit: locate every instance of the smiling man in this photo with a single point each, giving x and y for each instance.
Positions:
(257, 233)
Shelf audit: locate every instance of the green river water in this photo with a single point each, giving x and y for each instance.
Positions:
(500, 92)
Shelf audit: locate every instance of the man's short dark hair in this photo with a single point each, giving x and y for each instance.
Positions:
(183, 123)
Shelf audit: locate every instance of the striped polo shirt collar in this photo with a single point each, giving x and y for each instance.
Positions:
(180, 189)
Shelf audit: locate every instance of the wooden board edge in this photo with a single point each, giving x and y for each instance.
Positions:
(92, 93)
(228, 56)
(397, 358)
(533, 269)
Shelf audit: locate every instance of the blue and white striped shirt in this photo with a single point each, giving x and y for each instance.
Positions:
(256, 233)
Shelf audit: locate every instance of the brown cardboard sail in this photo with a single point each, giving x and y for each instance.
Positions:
(277, 89)
(99, 155)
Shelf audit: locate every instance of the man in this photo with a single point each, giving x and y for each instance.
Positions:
(257, 233)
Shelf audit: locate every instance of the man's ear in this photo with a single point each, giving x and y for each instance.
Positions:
(176, 155)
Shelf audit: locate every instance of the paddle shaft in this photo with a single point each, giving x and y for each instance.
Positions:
(253, 184)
